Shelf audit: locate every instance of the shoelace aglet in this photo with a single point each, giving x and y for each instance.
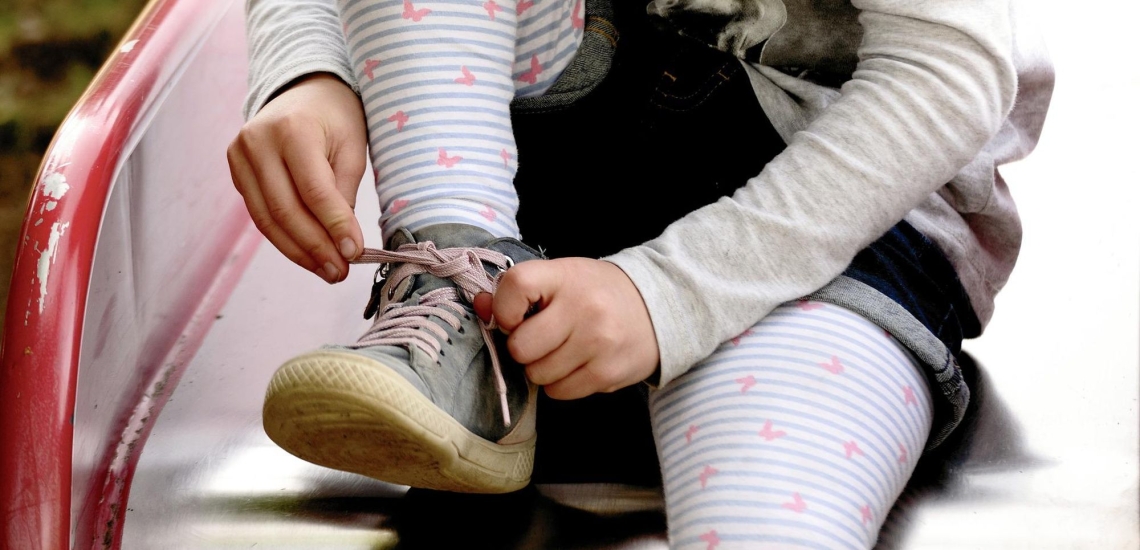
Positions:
(506, 408)
(500, 382)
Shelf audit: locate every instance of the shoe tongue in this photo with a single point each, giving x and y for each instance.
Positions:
(454, 235)
(446, 235)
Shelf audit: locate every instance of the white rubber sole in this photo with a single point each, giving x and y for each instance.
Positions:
(348, 412)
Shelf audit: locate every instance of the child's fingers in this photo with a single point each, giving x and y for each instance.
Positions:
(482, 304)
(348, 158)
(317, 188)
(521, 287)
(541, 335)
(566, 358)
(287, 211)
(584, 381)
(246, 185)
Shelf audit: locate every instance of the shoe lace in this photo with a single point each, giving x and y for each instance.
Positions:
(409, 325)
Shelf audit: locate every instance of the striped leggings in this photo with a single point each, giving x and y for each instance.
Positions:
(437, 78)
(799, 433)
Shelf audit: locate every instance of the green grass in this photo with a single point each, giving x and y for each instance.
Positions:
(63, 19)
(49, 51)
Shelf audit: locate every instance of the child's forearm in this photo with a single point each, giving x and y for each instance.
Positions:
(289, 39)
(933, 86)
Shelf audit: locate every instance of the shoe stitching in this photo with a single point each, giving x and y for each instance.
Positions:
(403, 325)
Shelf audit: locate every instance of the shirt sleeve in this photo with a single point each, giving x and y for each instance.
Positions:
(934, 82)
(289, 39)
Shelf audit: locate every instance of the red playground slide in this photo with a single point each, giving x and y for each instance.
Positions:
(146, 315)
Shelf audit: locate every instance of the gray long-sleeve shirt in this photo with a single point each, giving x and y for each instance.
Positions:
(942, 94)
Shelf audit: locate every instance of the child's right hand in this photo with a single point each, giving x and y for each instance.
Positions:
(298, 163)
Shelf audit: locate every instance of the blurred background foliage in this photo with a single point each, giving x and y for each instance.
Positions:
(49, 51)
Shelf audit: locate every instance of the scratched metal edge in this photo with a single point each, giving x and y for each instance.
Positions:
(111, 512)
(39, 352)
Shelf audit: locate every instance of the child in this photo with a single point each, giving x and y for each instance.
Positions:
(777, 421)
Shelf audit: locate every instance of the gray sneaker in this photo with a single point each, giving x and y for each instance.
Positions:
(421, 398)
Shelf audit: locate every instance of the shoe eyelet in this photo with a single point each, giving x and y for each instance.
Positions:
(462, 330)
(391, 292)
(442, 354)
(449, 341)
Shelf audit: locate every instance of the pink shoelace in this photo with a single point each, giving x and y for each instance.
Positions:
(401, 325)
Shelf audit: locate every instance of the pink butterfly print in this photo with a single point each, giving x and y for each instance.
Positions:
(808, 305)
(834, 367)
(491, 8)
(488, 213)
(468, 78)
(446, 161)
(908, 396)
(506, 158)
(689, 433)
(400, 119)
(369, 66)
(711, 538)
(397, 205)
(851, 448)
(866, 513)
(747, 332)
(797, 504)
(746, 383)
(522, 6)
(410, 12)
(531, 76)
(576, 20)
(705, 474)
(769, 434)
(902, 454)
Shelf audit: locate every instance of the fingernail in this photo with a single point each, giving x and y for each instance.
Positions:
(347, 248)
(332, 274)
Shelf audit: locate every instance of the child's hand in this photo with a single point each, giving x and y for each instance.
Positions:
(298, 164)
(592, 333)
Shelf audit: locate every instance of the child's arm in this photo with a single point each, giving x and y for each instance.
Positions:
(934, 83)
(299, 160)
(289, 39)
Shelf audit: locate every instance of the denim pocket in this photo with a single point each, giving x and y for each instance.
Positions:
(688, 81)
(691, 73)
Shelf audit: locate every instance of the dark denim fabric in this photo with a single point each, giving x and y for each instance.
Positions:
(673, 126)
(911, 270)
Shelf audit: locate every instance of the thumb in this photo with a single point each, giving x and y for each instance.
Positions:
(348, 161)
(482, 304)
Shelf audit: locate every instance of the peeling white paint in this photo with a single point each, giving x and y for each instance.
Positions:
(55, 186)
(50, 205)
(43, 268)
(39, 221)
(130, 45)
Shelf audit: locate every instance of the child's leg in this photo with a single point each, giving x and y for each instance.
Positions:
(801, 432)
(421, 398)
(437, 78)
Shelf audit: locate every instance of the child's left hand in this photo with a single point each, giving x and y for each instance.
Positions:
(591, 334)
